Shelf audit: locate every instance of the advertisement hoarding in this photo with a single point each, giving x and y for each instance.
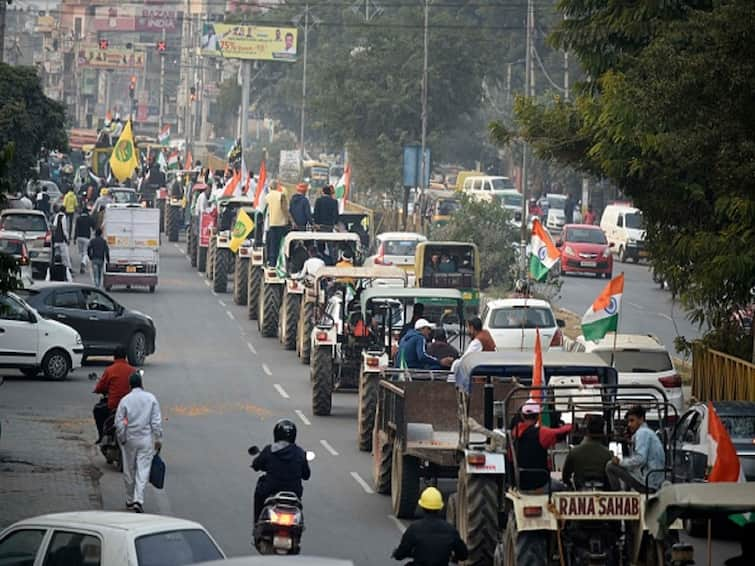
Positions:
(131, 17)
(111, 58)
(249, 42)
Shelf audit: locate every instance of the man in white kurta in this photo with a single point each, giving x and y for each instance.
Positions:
(139, 428)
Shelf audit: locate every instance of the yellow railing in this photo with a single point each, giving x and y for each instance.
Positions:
(717, 376)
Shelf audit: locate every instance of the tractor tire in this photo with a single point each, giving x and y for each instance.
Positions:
(322, 381)
(173, 223)
(201, 259)
(254, 277)
(477, 516)
(269, 305)
(382, 456)
(368, 394)
(211, 252)
(192, 251)
(161, 207)
(223, 260)
(240, 283)
(304, 332)
(405, 476)
(290, 319)
(451, 505)
(526, 548)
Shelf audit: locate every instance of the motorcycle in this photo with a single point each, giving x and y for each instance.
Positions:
(281, 522)
(108, 443)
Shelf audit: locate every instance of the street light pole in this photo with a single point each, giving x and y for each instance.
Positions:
(161, 106)
(424, 164)
(304, 82)
(529, 90)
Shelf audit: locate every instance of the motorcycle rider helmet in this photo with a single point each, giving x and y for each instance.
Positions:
(285, 429)
(431, 499)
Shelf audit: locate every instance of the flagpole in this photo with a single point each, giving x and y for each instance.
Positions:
(615, 333)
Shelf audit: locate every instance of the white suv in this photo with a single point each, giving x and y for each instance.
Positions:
(639, 360)
(31, 343)
(513, 322)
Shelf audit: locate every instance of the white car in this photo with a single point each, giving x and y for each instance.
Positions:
(31, 343)
(395, 248)
(106, 538)
(639, 359)
(513, 323)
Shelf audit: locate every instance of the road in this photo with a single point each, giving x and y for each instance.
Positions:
(646, 308)
(222, 387)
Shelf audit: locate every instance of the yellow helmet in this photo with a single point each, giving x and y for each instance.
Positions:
(104, 192)
(431, 499)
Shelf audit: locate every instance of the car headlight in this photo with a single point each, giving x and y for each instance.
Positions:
(78, 339)
(569, 250)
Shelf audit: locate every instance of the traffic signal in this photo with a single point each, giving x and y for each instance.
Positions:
(132, 86)
(161, 46)
(103, 44)
(193, 93)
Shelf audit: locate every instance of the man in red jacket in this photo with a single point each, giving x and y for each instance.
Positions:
(115, 385)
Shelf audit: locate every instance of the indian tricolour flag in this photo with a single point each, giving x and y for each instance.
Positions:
(342, 188)
(544, 252)
(164, 135)
(173, 160)
(603, 315)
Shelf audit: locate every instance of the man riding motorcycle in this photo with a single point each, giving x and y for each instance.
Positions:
(285, 465)
(431, 541)
(115, 386)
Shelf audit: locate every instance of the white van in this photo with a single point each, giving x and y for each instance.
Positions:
(485, 187)
(624, 230)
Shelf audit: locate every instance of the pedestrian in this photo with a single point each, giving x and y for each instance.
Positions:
(83, 233)
(139, 429)
(643, 470)
(99, 253)
(60, 247)
(569, 209)
(431, 540)
(70, 203)
(43, 201)
(326, 210)
(24, 203)
(589, 216)
(300, 210)
(277, 222)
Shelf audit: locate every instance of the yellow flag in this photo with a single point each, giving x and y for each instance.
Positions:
(123, 160)
(244, 225)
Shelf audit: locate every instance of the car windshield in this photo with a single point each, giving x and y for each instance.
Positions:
(633, 220)
(585, 236)
(448, 206)
(400, 247)
(176, 548)
(11, 247)
(512, 199)
(556, 201)
(24, 223)
(522, 317)
(638, 361)
(502, 184)
(123, 197)
(739, 427)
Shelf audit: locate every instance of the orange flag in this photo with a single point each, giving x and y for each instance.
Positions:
(722, 457)
(188, 162)
(261, 179)
(233, 186)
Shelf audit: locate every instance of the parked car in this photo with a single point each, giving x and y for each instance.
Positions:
(639, 359)
(106, 538)
(624, 228)
(32, 224)
(31, 343)
(53, 191)
(513, 323)
(395, 248)
(103, 323)
(584, 249)
(14, 244)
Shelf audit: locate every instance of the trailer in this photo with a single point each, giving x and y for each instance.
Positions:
(133, 235)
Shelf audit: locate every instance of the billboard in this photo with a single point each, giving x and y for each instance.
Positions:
(111, 58)
(249, 42)
(130, 17)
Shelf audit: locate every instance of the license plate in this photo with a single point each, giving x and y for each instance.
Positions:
(589, 264)
(130, 269)
(284, 543)
(613, 506)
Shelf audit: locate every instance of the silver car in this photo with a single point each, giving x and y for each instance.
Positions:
(33, 226)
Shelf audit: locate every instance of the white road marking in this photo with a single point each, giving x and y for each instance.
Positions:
(230, 315)
(329, 448)
(635, 305)
(199, 274)
(251, 348)
(363, 484)
(206, 282)
(221, 302)
(177, 246)
(280, 390)
(266, 369)
(303, 417)
(214, 294)
(662, 315)
(401, 526)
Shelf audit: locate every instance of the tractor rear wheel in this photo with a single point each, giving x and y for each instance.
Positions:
(220, 271)
(304, 340)
(240, 283)
(173, 222)
(404, 483)
(477, 516)
(382, 454)
(270, 301)
(290, 320)
(322, 381)
(253, 292)
(201, 263)
(368, 393)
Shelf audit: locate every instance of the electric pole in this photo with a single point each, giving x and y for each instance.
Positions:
(529, 90)
(161, 104)
(424, 164)
(304, 82)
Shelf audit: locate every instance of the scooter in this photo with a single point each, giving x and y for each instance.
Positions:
(281, 522)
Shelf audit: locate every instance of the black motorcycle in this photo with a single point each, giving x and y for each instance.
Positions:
(281, 522)
(108, 442)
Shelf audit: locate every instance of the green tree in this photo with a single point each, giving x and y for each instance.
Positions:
(668, 119)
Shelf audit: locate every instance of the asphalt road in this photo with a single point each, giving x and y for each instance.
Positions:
(222, 387)
(646, 308)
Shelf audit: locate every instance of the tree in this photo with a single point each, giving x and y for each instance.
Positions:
(490, 228)
(668, 119)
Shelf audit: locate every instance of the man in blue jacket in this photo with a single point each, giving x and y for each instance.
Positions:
(300, 210)
(412, 351)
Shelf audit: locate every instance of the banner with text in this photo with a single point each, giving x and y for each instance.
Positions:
(110, 58)
(249, 42)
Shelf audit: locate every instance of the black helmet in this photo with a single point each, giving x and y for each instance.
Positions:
(284, 430)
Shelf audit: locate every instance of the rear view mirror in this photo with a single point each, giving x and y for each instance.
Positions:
(559, 243)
